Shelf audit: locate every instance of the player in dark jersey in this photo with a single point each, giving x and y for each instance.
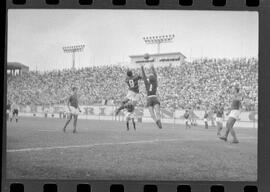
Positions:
(133, 89)
(15, 111)
(233, 115)
(8, 111)
(130, 108)
(153, 103)
(74, 110)
(219, 111)
(186, 116)
(205, 117)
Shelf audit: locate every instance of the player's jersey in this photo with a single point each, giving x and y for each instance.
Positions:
(133, 83)
(205, 115)
(236, 102)
(73, 100)
(220, 112)
(130, 108)
(186, 115)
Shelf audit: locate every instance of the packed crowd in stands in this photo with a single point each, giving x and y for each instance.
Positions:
(197, 84)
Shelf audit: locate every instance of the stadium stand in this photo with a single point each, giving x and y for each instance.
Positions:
(200, 83)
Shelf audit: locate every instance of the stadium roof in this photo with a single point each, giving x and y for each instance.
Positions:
(16, 65)
(160, 54)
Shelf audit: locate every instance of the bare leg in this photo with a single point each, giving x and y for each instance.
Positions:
(158, 116)
(235, 140)
(134, 125)
(75, 123)
(219, 125)
(152, 113)
(67, 122)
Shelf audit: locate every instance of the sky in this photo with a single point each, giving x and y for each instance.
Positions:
(36, 37)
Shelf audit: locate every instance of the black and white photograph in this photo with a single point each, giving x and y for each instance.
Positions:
(153, 95)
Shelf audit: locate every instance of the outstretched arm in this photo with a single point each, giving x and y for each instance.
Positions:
(144, 76)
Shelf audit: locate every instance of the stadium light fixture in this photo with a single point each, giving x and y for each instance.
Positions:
(73, 50)
(158, 40)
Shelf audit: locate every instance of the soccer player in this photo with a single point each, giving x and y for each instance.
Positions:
(233, 115)
(15, 112)
(133, 89)
(186, 116)
(153, 103)
(74, 109)
(129, 106)
(205, 117)
(8, 111)
(219, 118)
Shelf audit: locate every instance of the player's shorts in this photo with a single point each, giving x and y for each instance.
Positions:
(186, 120)
(152, 101)
(131, 95)
(15, 112)
(219, 119)
(129, 115)
(205, 120)
(74, 111)
(8, 111)
(235, 114)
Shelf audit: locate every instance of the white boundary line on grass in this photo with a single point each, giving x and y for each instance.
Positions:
(111, 143)
(89, 146)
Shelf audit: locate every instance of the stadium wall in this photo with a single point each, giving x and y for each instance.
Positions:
(104, 112)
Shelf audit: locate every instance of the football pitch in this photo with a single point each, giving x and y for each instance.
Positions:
(103, 150)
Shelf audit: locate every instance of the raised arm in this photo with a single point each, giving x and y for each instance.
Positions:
(144, 76)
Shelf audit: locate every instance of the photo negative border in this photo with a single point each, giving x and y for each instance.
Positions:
(263, 182)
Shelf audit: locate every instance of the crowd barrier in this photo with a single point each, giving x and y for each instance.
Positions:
(104, 112)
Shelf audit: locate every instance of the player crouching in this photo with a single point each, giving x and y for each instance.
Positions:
(130, 107)
(74, 110)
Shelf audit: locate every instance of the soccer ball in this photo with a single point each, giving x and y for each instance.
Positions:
(146, 56)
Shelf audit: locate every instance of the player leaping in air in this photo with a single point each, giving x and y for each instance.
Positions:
(129, 106)
(152, 102)
(133, 89)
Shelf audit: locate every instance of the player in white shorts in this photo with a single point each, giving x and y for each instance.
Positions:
(133, 93)
(74, 110)
(233, 115)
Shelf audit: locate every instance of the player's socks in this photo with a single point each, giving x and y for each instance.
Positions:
(223, 138)
(134, 125)
(158, 122)
(127, 126)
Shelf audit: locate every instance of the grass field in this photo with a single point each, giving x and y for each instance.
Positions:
(38, 149)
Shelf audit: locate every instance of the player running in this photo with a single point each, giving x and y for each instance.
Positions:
(233, 115)
(219, 118)
(186, 116)
(74, 110)
(153, 103)
(129, 106)
(15, 112)
(133, 89)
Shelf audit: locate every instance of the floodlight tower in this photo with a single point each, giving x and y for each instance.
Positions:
(73, 50)
(158, 40)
